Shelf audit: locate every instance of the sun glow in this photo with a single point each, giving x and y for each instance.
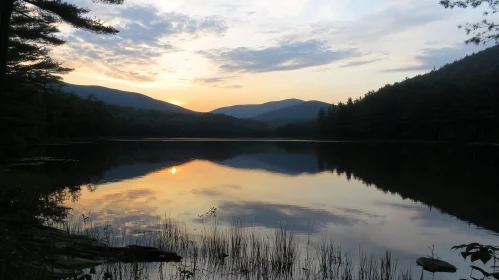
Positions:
(176, 102)
(174, 170)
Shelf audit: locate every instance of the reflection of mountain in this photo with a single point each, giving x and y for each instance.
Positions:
(117, 161)
(459, 180)
(135, 170)
(286, 163)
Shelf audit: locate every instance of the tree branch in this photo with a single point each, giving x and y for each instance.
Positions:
(28, 16)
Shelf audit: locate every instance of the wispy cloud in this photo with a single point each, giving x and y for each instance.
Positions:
(145, 35)
(356, 63)
(288, 55)
(430, 58)
(218, 82)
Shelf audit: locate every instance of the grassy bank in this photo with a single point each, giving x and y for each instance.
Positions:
(237, 252)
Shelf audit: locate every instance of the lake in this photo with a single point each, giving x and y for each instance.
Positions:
(409, 198)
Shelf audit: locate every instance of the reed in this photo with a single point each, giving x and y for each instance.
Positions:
(236, 251)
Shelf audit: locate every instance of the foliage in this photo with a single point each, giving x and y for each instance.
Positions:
(483, 253)
(28, 52)
(33, 116)
(484, 30)
(459, 102)
(24, 22)
(298, 130)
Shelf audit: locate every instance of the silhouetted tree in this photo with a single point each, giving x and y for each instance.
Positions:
(458, 102)
(28, 59)
(45, 12)
(482, 31)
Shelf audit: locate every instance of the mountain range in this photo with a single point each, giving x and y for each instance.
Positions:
(307, 110)
(288, 110)
(249, 111)
(125, 98)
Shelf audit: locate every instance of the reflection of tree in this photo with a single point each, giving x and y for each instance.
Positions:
(31, 250)
(442, 176)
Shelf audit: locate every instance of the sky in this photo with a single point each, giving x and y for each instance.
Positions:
(203, 55)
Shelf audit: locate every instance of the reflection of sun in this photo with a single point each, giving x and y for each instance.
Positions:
(174, 170)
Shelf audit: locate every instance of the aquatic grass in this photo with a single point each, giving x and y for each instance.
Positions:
(235, 251)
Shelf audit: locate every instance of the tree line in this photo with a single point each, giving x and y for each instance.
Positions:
(459, 102)
(35, 108)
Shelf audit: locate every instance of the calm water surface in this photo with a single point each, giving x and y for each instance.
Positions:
(401, 197)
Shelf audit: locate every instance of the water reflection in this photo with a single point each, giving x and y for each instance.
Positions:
(403, 197)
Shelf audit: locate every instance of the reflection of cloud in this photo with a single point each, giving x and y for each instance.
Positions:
(208, 192)
(428, 217)
(288, 55)
(269, 215)
(127, 209)
(128, 195)
(215, 191)
(358, 212)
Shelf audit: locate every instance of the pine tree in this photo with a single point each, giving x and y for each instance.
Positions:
(45, 14)
(28, 61)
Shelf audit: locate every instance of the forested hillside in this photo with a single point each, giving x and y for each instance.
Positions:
(124, 98)
(459, 102)
(248, 111)
(33, 116)
(305, 111)
(35, 105)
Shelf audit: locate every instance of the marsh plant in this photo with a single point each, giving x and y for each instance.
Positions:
(486, 254)
(235, 251)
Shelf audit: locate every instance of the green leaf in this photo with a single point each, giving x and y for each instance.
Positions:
(485, 273)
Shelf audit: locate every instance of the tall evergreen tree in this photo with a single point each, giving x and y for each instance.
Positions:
(28, 61)
(45, 13)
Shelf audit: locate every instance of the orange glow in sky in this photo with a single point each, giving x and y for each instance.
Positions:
(250, 52)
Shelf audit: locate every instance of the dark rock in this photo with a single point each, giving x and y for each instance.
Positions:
(434, 265)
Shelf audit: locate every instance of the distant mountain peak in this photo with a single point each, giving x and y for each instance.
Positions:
(125, 98)
(305, 111)
(247, 111)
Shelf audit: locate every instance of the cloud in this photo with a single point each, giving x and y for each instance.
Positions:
(217, 82)
(145, 35)
(288, 55)
(211, 80)
(437, 57)
(359, 62)
(269, 215)
(398, 17)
